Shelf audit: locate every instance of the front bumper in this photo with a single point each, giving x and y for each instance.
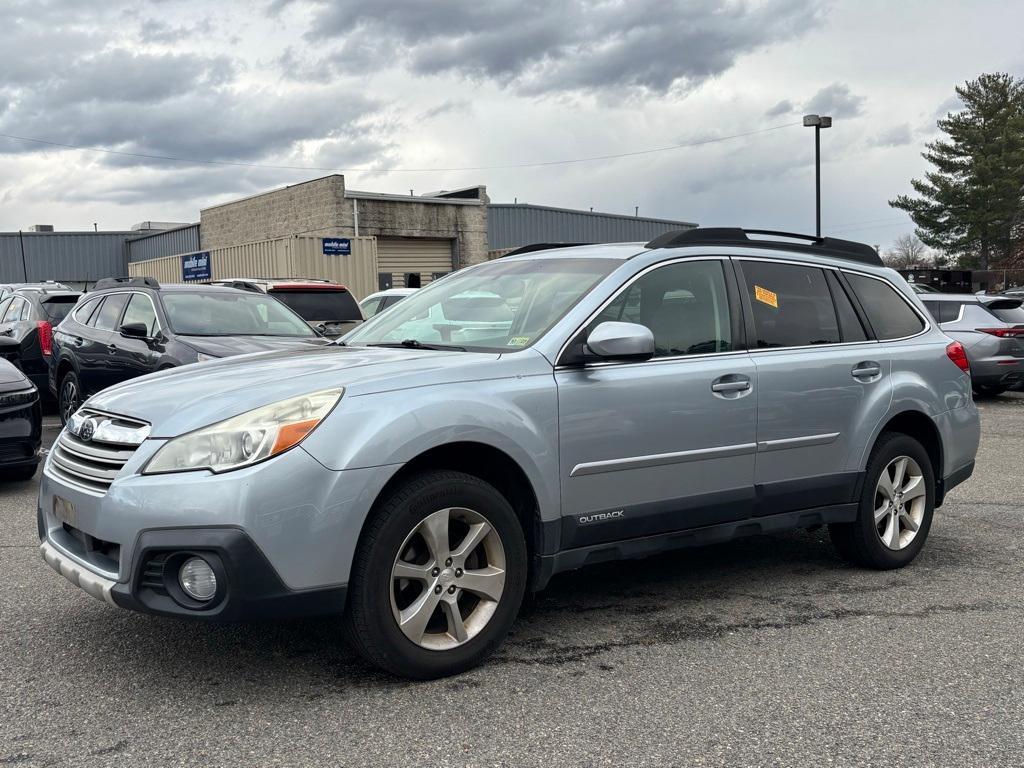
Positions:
(282, 533)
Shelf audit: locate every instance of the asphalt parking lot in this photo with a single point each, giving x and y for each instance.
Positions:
(768, 651)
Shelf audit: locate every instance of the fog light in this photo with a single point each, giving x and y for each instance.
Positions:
(197, 579)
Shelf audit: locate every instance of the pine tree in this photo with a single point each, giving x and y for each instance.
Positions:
(971, 204)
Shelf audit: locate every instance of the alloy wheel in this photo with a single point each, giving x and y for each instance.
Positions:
(900, 501)
(447, 579)
(68, 400)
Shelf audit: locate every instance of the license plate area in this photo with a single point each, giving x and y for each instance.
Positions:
(64, 511)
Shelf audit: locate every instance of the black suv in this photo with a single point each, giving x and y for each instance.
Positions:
(27, 318)
(127, 327)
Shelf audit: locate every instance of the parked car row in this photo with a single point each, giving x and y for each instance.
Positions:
(517, 419)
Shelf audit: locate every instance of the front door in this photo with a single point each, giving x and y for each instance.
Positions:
(821, 384)
(665, 444)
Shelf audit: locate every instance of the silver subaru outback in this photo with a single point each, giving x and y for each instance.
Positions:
(512, 421)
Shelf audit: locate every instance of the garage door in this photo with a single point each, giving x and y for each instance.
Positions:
(401, 260)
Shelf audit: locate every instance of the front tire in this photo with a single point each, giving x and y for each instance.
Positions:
(896, 506)
(438, 577)
(69, 396)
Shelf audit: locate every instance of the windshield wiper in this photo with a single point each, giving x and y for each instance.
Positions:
(415, 344)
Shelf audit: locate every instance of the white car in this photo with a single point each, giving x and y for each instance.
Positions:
(375, 302)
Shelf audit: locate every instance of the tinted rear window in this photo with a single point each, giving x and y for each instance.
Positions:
(1013, 315)
(321, 306)
(889, 314)
(943, 311)
(57, 308)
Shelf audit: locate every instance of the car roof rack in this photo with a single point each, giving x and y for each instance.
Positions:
(242, 285)
(542, 247)
(118, 282)
(823, 246)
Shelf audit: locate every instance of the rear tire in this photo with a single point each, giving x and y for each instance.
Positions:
(896, 508)
(438, 577)
(988, 390)
(69, 396)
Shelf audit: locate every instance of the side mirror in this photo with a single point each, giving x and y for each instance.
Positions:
(134, 331)
(621, 341)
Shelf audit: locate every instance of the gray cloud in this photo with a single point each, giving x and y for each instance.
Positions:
(784, 107)
(547, 46)
(896, 136)
(836, 100)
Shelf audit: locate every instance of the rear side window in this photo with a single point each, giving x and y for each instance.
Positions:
(84, 310)
(943, 311)
(107, 317)
(889, 313)
(321, 306)
(792, 305)
(850, 326)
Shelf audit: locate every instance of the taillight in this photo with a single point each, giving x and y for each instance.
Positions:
(45, 337)
(955, 351)
(1003, 333)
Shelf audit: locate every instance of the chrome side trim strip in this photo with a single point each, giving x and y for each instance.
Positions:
(797, 442)
(661, 459)
(89, 582)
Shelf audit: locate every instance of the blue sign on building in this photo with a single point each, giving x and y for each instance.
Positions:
(195, 266)
(337, 246)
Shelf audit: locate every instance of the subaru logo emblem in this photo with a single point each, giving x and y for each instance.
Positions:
(87, 430)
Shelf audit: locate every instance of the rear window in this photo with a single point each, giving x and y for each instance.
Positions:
(889, 313)
(58, 307)
(1008, 314)
(321, 306)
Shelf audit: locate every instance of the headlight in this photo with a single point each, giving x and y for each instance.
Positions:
(248, 438)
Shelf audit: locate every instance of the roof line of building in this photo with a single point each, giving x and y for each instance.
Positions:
(270, 191)
(27, 233)
(625, 216)
(352, 193)
(165, 231)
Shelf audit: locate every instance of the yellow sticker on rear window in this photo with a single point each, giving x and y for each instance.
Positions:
(518, 341)
(766, 297)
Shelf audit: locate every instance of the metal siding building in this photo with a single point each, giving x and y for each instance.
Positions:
(170, 242)
(519, 224)
(68, 256)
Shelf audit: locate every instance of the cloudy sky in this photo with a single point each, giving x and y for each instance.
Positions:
(274, 90)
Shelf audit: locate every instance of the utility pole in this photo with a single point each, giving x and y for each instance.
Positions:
(817, 122)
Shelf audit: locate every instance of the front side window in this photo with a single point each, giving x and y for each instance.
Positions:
(109, 313)
(231, 313)
(684, 304)
(791, 304)
(503, 305)
(890, 315)
(140, 310)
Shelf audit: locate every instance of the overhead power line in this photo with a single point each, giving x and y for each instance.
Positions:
(199, 161)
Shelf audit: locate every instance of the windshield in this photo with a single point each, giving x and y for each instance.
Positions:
(231, 313)
(499, 306)
(318, 305)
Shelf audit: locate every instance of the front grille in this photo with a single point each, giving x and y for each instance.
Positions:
(92, 464)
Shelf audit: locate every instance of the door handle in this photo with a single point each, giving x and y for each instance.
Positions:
(111, 348)
(730, 383)
(868, 369)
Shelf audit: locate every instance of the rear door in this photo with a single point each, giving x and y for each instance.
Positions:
(665, 444)
(820, 380)
(97, 354)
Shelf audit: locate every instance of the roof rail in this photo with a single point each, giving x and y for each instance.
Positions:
(825, 246)
(542, 247)
(117, 282)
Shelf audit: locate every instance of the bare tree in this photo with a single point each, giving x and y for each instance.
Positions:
(907, 251)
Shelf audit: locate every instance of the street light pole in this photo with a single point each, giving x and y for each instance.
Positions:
(817, 122)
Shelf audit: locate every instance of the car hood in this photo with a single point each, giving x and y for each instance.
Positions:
(182, 399)
(226, 346)
(11, 377)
